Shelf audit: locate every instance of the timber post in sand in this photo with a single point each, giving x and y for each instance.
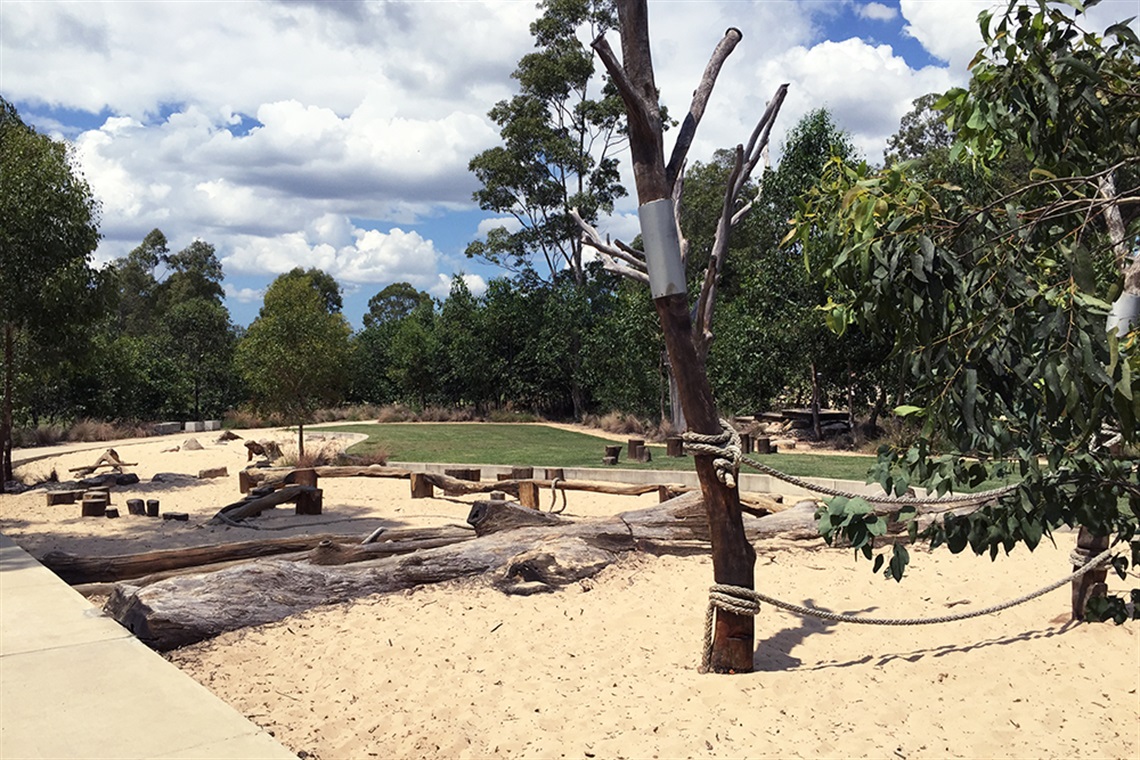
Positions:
(733, 556)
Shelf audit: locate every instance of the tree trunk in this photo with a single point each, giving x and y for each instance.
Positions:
(6, 411)
(816, 426)
(733, 556)
(300, 441)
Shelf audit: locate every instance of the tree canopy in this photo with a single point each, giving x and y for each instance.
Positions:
(995, 297)
(295, 354)
(559, 136)
(48, 289)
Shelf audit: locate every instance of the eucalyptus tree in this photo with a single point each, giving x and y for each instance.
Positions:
(294, 355)
(995, 297)
(560, 134)
(48, 289)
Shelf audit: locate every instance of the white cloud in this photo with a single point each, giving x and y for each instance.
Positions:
(509, 222)
(442, 287)
(948, 29)
(243, 295)
(877, 12)
(349, 254)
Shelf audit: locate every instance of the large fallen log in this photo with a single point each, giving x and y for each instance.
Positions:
(519, 550)
(136, 567)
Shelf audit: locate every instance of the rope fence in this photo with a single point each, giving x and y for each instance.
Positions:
(725, 448)
(746, 601)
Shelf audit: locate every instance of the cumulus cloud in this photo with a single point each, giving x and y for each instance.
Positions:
(442, 287)
(350, 254)
(486, 225)
(877, 12)
(243, 295)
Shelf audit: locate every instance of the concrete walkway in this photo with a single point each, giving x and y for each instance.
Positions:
(75, 684)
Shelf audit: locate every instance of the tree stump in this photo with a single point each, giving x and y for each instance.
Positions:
(745, 443)
(612, 452)
(634, 449)
(498, 496)
(62, 497)
(528, 494)
(309, 502)
(674, 446)
(421, 486)
(522, 473)
(1091, 583)
(111, 512)
(609, 460)
(303, 477)
(93, 505)
(136, 507)
(463, 473)
(179, 516)
(245, 481)
(764, 445)
(553, 473)
(152, 507)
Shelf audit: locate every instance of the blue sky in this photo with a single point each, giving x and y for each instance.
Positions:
(337, 134)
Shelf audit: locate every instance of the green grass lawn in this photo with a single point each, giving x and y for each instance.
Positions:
(533, 445)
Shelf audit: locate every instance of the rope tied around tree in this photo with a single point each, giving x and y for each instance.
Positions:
(746, 601)
(727, 453)
(724, 447)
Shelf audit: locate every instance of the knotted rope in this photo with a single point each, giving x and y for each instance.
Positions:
(723, 447)
(746, 601)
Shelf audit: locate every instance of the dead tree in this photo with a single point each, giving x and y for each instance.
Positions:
(622, 259)
(733, 556)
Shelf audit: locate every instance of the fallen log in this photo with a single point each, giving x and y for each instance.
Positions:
(253, 506)
(145, 568)
(520, 551)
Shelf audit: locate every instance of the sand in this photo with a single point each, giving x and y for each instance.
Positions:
(608, 668)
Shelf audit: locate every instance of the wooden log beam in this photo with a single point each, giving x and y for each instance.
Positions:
(523, 550)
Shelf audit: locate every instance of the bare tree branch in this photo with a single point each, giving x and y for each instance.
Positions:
(702, 327)
(701, 96)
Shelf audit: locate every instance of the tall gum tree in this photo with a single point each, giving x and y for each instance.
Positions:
(48, 231)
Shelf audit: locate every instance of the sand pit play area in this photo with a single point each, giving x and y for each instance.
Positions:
(603, 666)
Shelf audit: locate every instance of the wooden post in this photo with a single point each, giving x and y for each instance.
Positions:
(746, 443)
(763, 445)
(733, 556)
(303, 477)
(136, 507)
(245, 482)
(152, 507)
(612, 455)
(674, 446)
(463, 473)
(93, 505)
(522, 473)
(1091, 583)
(309, 502)
(528, 494)
(635, 446)
(421, 487)
(553, 473)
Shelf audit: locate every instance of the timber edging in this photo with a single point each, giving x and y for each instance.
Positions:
(749, 481)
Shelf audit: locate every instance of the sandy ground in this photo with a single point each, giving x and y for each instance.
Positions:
(608, 668)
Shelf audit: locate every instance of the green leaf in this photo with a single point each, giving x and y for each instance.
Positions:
(900, 558)
(906, 410)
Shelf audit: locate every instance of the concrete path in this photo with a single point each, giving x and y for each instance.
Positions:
(75, 684)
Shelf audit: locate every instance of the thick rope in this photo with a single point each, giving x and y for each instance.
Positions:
(746, 601)
(554, 497)
(725, 448)
(965, 498)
